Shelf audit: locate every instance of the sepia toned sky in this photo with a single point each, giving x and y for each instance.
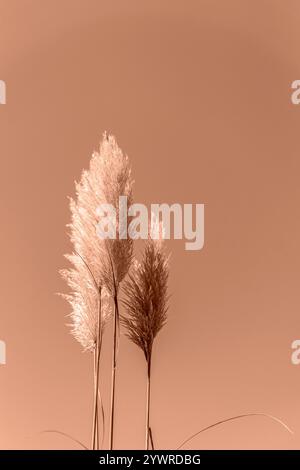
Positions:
(197, 94)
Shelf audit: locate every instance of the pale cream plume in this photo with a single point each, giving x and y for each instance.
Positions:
(84, 300)
(98, 265)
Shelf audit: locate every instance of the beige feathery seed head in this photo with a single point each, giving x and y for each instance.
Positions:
(146, 297)
(108, 178)
(84, 300)
(115, 171)
(96, 263)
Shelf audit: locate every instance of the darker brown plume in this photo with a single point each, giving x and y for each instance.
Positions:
(146, 300)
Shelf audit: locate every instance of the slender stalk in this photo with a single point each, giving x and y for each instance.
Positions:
(96, 378)
(95, 400)
(97, 433)
(148, 402)
(103, 421)
(95, 430)
(113, 379)
(151, 439)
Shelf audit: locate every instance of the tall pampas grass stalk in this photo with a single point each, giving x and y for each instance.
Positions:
(146, 300)
(116, 181)
(99, 265)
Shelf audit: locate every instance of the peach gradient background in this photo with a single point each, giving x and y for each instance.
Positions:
(198, 95)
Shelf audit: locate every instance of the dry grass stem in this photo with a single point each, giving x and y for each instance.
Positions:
(146, 303)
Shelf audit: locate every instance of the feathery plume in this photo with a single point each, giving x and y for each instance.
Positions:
(108, 178)
(99, 265)
(84, 300)
(112, 167)
(146, 298)
(146, 303)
